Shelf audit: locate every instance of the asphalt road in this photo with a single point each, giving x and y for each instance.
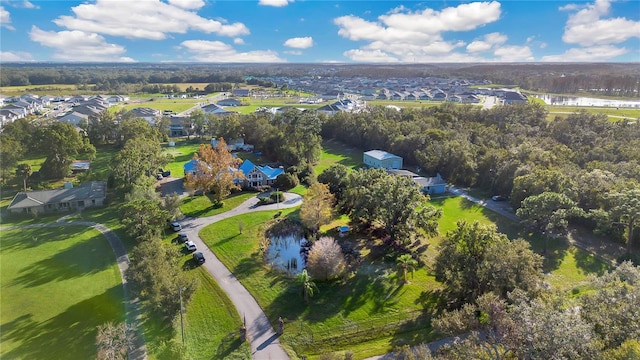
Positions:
(260, 332)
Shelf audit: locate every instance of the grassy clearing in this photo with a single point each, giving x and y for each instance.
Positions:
(57, 89)
(252, 105)
(202, 206)
(58, 285)
(614, 114)
(211, 323)
(334, 152)
(175, 105)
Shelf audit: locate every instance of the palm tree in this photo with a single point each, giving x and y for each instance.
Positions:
(24, 170)
(308, 286)
(406, 263)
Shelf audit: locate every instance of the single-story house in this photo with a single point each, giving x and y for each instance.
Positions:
(179, 126)
(241, 92)
(431, 185)
(65, 199)
(514, 97)
(150, 115)
(381, 160)
(215, 110)
(229, 102)
(191, 167)
(256, 175)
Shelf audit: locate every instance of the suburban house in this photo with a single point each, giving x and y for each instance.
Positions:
(74, 118)
(215, 110)
(65, 199)
(179, 126)
(256, 175)
(234, 144)
(431, 185)
(241, 92)
(229, 102)
(428, 185)
(150, 115)
(381, 160)
(514, 97)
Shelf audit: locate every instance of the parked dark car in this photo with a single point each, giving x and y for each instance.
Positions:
(198, 257)
(182, 237)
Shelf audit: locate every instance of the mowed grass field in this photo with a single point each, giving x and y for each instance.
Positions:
(58, 284)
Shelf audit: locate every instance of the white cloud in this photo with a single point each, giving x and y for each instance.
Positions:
(28, 5)
(149, 19)
(587, 54)
(79, 46)
(376, 56)
(586, 27)
(238, 41)
(406, 36)
(219, 52)
(5, 18)
(490, 41)
(187, 4)
(275, 3)
(293, 52)
(513, 53)
(15, 56)
(299, 42)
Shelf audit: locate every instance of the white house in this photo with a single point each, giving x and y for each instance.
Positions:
(381, 160)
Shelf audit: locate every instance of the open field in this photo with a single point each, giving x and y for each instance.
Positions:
(58, 285)
(49, 89)
(614, 114)
(175, 105)
(334, 152)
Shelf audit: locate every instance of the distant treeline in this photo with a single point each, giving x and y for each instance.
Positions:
(612, 79)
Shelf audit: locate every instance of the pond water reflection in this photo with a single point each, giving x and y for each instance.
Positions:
(585, 101)
(287, 253)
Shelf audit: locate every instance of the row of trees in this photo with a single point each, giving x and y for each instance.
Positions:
(60, 141)
(514, 151)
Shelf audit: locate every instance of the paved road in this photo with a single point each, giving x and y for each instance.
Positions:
(501, 207)
(260, 332)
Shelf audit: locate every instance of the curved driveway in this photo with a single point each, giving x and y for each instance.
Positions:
(260, 333)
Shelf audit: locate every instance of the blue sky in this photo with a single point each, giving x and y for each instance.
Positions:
(308, 31)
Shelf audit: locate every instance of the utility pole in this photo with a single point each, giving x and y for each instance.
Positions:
(277, 199)
(181, 321)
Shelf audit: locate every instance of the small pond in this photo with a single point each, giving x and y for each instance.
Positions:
(287, 253)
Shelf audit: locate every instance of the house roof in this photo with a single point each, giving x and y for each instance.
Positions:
(269, 172)
(87, 191)
(381, 155)
(402, 172)
(430, 181)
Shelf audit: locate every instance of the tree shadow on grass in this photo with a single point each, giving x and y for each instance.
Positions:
(247, 267)
(590, 263)
(82, 259)
(68, 335)
(228, 345)
(29, 238)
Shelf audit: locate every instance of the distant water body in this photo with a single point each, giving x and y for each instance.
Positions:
(585, 101)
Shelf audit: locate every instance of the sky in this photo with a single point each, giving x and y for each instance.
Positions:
(319, 31)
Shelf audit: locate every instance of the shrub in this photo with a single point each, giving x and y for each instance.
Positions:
(286, 181)
(277, 196)
(326, 260)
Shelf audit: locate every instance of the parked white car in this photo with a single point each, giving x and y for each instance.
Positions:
(190, 246)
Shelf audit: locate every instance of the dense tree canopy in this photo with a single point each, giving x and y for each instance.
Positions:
(475, 259)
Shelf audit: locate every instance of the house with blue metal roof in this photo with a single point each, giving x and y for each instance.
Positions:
(256, 175)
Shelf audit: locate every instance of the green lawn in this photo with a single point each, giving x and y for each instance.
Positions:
(360, 307)
(334, 152)
(175, 105)
(201, 206)
(58, 285)
(615, 114)
(211, 323)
